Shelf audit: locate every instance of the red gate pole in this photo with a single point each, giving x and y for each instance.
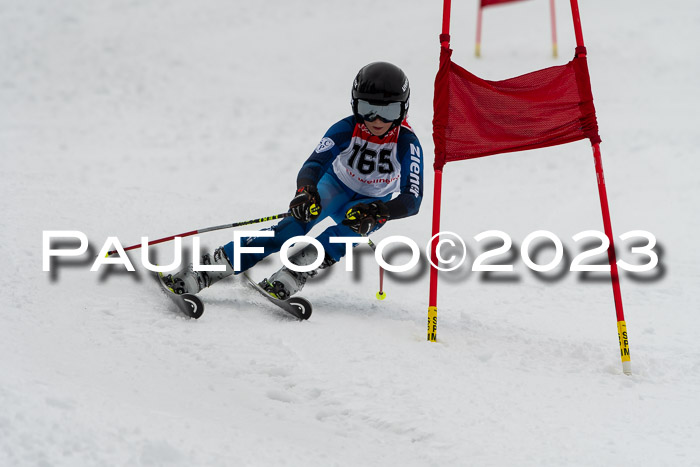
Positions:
(614, 275)
(432, 300)
(607, 225)
(577, 23)
(553, 15)
(437, 201)
(445, 36)
(477, 49)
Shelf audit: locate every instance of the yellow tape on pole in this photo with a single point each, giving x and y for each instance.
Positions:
(432, 323)
(624, 347)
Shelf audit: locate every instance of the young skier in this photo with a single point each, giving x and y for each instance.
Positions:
(360, 163)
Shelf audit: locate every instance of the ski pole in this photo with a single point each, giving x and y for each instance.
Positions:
(381, 295)
(207, 229)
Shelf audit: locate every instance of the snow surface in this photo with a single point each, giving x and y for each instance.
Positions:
(153, 117)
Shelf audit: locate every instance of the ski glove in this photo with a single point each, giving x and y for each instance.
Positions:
(364, 218)
(306, 205)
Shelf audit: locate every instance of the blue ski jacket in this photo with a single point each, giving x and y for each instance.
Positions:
(369, 165)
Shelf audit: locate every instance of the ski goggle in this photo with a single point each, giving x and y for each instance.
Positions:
(386, 113)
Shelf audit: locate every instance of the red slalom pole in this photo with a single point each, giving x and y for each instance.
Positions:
(437, 199)
(432, 299)
(445, 37)
(607, 225)
(577, 23)
(553, 15)
(477, 48)
(614, 275)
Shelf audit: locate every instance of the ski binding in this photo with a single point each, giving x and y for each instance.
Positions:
(188, 304)
(298, 307)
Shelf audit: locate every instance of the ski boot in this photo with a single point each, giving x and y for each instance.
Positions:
(285, 282)
(190, 281)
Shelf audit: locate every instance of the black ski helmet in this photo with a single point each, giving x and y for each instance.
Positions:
(381, 83)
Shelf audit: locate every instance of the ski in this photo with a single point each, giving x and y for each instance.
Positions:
(298, 307)
(190, 305)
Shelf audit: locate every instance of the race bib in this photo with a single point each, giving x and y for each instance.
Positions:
(370, 165)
